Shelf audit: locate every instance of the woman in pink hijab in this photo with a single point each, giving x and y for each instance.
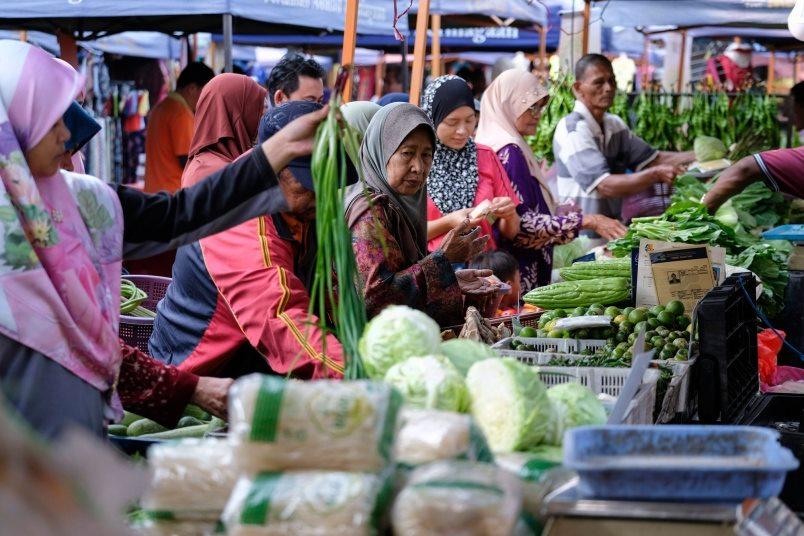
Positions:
(62, 240)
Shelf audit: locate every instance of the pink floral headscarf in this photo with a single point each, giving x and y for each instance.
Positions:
(60, 236)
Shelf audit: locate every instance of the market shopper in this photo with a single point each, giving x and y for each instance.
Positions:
(239, 301)
(389, 226)
(295, 78)
(464, 175)
(510, 110)
(64, 235)
(170, 130)
(595, 150)
(226, 123)
(780, 169)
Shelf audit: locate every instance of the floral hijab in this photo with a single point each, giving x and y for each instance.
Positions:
(60, 236)
(452, 182)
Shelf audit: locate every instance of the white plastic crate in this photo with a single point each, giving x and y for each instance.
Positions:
(546, 349)
(609, 381)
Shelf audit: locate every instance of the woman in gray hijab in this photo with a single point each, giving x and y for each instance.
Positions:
(389, 224)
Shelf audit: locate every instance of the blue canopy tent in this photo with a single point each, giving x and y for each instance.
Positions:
(89, 19)
(690, 13)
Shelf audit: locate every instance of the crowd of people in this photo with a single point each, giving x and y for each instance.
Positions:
(448, 199)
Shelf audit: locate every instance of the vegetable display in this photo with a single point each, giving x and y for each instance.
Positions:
(607, 290)
(430, 382)
(194, 423)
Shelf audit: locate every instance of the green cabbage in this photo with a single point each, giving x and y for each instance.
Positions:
(464, 353)
(430, 382)
(708, 148)
(395, 334)
(565, 254)
(573, 405)
(509, 403)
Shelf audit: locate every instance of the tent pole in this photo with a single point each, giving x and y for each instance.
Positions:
(68, 47)
(404, 67)
(194, 47)
(349, 43)
(419, 51)
(227, 42)
(681, 62)
(436, 46)
(543, 52)
(24, 36)
(771, 70)
(587, 11)
(379, 75)
(645, 64)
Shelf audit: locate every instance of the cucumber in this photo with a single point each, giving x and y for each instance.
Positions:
(194, 411)
(144, 426)
(117, 430)
(189, 420)
(215, 425)
(129, 418)
(179, 433)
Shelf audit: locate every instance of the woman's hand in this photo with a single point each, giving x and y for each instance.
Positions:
(462, 244)
(294, 140)
(212, 394)
(606, 227)
(475, 281)
(502, 207)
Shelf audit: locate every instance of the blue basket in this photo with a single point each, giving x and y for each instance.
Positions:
(677, 463)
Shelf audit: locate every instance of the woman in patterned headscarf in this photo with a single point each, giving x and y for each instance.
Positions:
(465, 176)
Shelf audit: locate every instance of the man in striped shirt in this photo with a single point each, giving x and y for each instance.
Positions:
(594, 149)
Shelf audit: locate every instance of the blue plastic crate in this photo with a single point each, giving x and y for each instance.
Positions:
(677, 463)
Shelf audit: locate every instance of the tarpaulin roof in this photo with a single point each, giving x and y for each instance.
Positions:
(113, 16)
(685, 13)
(522, 10)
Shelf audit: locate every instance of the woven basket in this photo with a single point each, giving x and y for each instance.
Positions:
(136, 331)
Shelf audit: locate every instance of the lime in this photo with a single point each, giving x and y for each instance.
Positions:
(657, 342)
(656, 309)
(611, 311)
(621, 336)
(579, 311)
(627, 311)
(623, 346)
(640, 326)
(597, 306)
(662, 331)
(627, 326)
(666, 354)
(666, 319)
(629, 354)
(543, 320)
(541, 333)
(649, 335)
(550, 326)
(681, 343)
(566, 335)
(675, 308)
(637, 315)
(682, 322)
(528, 332)
(554, 334)
(619, 319)
(559, 313)
(631, 338)
(681, 355)
(653, 323)
(617, 353)
(582, 334)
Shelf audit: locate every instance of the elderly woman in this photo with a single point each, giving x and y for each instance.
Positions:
(63, 237)
(389, 225)
(509, 111)
(464, 175)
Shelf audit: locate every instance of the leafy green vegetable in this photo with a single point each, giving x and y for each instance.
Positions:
(430, 382)
(561, 104)
(564, 254)
(708, 148)
(573, 405)
(464, 353)
(509, 403)
(396, 334)
(769, 261)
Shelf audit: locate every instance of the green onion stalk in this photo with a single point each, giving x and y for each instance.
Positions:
(336, 141)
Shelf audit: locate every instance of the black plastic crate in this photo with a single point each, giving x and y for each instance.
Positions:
(778, 411)
(727, 373)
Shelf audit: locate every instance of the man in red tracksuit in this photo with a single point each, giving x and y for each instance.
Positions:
(239, 300)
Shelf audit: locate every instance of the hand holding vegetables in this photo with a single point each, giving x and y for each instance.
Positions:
(212, 395)
(462, 244)
(608, 228)
(665, 173)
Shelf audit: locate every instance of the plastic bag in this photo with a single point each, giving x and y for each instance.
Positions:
(280, 425)
(768, 347)
(458, 498)
(541, 474)
(428, 436)
(166, 524)
(192, 478)
(309, 503)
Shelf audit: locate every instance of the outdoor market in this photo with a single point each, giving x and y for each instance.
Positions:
(402, 267)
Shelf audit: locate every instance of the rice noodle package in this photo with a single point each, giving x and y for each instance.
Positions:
(166, 524)
(458, 498)
(192, 478)
(280, 425)
(429, 435)
(540, 473)
(308, 503)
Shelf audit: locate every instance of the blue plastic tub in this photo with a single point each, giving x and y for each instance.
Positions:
(678, 463)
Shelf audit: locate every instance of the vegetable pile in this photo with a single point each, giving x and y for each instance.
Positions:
(131, 299)
(195, 422)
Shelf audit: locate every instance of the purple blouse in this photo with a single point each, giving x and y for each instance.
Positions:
(540, 230)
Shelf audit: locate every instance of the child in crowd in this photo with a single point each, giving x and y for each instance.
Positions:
(505, 268)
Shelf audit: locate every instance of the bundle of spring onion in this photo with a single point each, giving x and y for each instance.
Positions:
(334, 142)
(131, 299)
